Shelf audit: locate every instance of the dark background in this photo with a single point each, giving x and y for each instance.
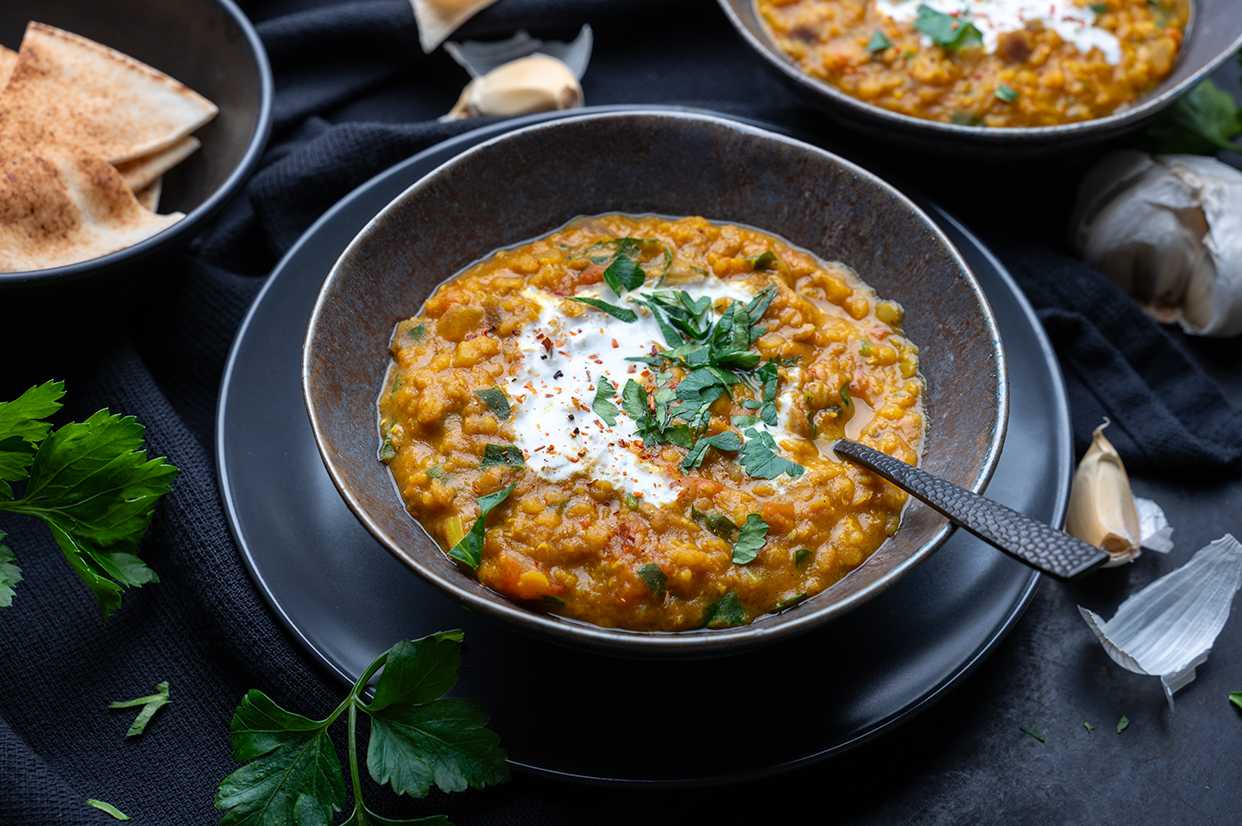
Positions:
(355, 95)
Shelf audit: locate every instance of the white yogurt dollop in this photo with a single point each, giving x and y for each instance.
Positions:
(554, 389)
(1075, 24)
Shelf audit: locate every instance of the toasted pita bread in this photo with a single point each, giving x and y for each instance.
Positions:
(149, 197)
(74, 91)
(140, 172)
(60, 205)
(8, 60)
(437, 19)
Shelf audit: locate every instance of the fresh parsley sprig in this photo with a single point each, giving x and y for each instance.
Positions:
(90, 482)
(419, 739)
(946, 30)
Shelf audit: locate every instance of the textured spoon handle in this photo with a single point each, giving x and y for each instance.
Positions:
(1038, 545)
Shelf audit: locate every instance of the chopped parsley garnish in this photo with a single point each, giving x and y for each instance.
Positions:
(1123, 724)
(752, 536)
(418, 332)
(802, 555)
(878, 42)
(719, 524)
(962, 118)
(728, 440)
(1098, 8)
(497, 401)
(763, 261)
(946, 30)
(108, 808)
(470, 549)
(724, 612)
(1235, 697)
(438, 473)
(623, 274)
(760, 459)
(1006, 94)
(387, 450)
(494, 455)
(654, 577)
(418, 739)
(150, 704)
(788, 602)
(1034, 732)
(1090, 728)
(602, 405)
(619, 313)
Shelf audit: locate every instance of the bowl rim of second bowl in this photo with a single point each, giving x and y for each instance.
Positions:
(697, 643)
(1120, 120)
(188, 225)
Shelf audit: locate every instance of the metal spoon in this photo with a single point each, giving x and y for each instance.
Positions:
(1038, 545)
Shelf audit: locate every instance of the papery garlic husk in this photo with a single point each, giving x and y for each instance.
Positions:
(1167, 229)
(1167, 629)
(437, 19)
(521, 87)
(1101, 507)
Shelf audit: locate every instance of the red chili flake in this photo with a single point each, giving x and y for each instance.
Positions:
(573, 459)
(615, 345)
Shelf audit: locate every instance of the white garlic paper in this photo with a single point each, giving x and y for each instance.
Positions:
(1168, 628)
(479, 58)
(1167, 229)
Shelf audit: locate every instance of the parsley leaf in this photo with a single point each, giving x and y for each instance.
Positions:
(655, 578)
(1123, 724)
(1034, 732)
(760, 459)
(726, 440)
(946, 30)
(719, 524)
(1005, 93)
(724, 612)
(623, 274)
(1090, 728)
(602, 405)
(1235, 697)
(619, 313)
(418, 332)
(1198, 123)
(108, 808)
(418, 739)
(10, 574)
(802, 555)
(878, 42)
(752, 536)
(494, 455)
(150, 704)
(470, 548)
(90, 482)
(497, 401)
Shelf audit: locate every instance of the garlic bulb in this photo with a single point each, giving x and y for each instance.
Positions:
(531, 84)
(1101, 507)
(1167, 229)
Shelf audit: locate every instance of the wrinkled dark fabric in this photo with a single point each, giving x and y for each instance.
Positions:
(354, 96)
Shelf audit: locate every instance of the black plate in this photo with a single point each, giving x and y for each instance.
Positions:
(575, 715)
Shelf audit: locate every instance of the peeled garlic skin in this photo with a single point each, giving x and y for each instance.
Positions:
(1101, 507)
(1167, 230)
(520, 87)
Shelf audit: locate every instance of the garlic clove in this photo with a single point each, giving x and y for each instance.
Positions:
(538, 83)
(1101, 507)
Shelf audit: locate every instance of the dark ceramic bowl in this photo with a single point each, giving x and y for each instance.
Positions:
(1212, 36)
(208, 45)
(531, 181)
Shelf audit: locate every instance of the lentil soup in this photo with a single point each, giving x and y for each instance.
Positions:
(1002, 63)
(629, 422)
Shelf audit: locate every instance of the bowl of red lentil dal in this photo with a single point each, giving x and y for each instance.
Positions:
(446, 324)
(997, 76)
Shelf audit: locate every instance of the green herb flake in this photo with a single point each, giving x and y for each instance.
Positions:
(788, 602)
(1098, 8)
(552, 599)
(1034, 732)
(765, 260)
(90, 482)
(418, 739)
(1006, 94)
(726, 441)
(623, 274)
(1123, 724)
(653, 575)
(1235, 697)
(438, 473)
(150, 704)
(494, 455)
(752, 536)
(724, 612)
(1090, 728)
(418, 332)
(802, 555)
(960, 117)
(631, 501)
(946, 30)
(716, 523)
(878, 42)
(108, 808)
(469, 550)
(602, 405)
(760, 459)
(619, 313)
(497, 402)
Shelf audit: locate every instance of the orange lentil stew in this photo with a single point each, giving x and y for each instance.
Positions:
(1002, 63)
(629, 422)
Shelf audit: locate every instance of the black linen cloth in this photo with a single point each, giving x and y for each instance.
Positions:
(355, 95)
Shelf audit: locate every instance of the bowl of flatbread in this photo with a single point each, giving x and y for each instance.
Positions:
(123, 128)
